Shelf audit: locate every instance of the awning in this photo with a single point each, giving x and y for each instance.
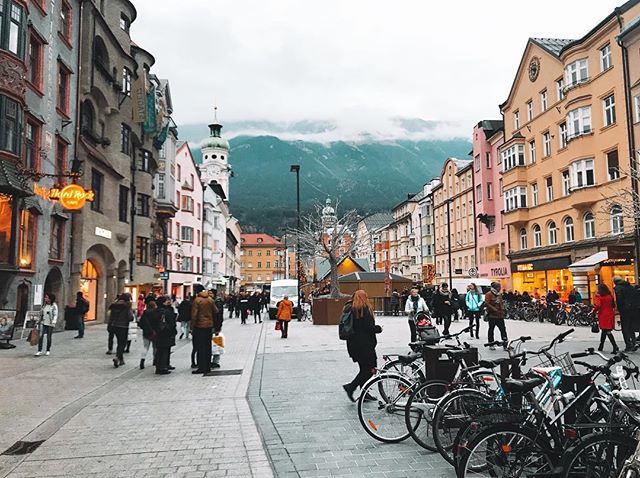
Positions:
(588, 264)
(12, 181)
(32, 204)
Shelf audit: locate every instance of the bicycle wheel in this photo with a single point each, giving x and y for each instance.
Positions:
(419, 411)
(505, 451)
(598, 456)
(413, 370)
(381, 407)
(451, 414)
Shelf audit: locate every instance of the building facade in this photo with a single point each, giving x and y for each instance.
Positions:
(492, 239)
(427, 233)
(262, 260)
(454, 213)
(402, 239)
(562, 160)
(367, 235)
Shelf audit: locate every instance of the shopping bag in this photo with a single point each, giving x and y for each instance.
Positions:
(33, 337)
(278, 326)
(217, 344)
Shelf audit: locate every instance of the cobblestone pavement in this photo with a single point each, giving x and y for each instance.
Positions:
(309, 427)
(99, 421)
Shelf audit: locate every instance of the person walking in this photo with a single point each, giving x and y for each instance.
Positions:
(218, 319)
(455, 304)
(184, 316)
(442, 307)
(626, 298)
(256, 307)
(605, 308)
(47, 322)
(202, 312)
(414, 305)
(362, 345)
(474, 301)
(148, 334)
(140, 306)
(120, 315)
(80, 310)
(231, 303)
(164, 325)
(394, 303)
(244, 307)
(284, 314)
(236, 300)
(495, 313)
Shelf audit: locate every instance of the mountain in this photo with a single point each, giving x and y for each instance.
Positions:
(368, 174)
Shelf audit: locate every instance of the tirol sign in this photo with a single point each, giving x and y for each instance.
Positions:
(72, 196)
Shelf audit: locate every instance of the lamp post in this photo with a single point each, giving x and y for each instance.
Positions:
(295, 168)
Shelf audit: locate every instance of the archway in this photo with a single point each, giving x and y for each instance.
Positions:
(89, 287)
(54, 284)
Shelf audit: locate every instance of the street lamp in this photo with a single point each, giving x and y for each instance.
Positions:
(295, 168)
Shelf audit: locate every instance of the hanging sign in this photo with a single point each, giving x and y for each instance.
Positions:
(72, 196)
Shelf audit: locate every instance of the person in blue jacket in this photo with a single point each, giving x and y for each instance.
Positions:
(474, 301)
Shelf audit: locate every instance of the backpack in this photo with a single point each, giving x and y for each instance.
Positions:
(345, 329)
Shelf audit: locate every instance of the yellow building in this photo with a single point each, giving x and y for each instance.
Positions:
(262, 260)
(564, 161)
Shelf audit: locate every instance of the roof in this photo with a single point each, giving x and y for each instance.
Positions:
(250, 239)
(377, 220)
(12, 181)
(323, 269)
(372, 277)
(552, 45)
(490, 127)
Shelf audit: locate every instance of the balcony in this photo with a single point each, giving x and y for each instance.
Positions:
(516, 216)
(515, 175)
(584, 197)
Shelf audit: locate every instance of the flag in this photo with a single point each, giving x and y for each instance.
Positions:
(159, 140)
(150, 126)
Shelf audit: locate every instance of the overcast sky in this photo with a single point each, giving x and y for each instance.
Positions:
(352, 61)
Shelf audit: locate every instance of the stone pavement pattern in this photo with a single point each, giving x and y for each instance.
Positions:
(309, 427)
(99, 421)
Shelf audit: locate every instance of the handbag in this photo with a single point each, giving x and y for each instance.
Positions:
(33, 337)
(278, 325)
(594, 327)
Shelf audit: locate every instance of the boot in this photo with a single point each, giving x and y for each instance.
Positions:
(349, 389)
(121, 362)
(613, 343)
(126, 350)
(141, 364)
(601, 346)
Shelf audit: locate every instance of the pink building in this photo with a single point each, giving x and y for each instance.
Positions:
(492, 240)
(184, 259)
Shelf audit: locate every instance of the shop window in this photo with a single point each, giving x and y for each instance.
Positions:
(97, 183)
(569, 235)
(56, 240)
(617, 221)
(6, 216)
(32, 134)
(552, 233)
(35, 60)
(537, 236)
(10, 125)
(28, 230)
(589, 226)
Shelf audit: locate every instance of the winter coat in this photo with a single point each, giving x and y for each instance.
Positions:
(203, 311)
(218, 318)
(49, 314)
(140, 307)
(421, 307)
(120, 314)
(184, 310)
(495, 305)
(285, 310)
(605, 307)
(440, 308)
(82, 307)
(145, 323)
(362, 345)
(473, 301)
(165, 335)
(625, 298)
(395, 299)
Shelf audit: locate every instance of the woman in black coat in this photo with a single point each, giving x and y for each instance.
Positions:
(443, 307)
(163, 323)
(362, 345)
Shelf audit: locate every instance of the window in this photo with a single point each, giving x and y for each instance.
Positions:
(549, 182)
(560, 89)
(56, 239)
(61, 160)
(65, 21)
(566, 183)
(544, 100)
(613, 166)
(87, 118)
(476, 162)
(143, 205)
(197, 238)
(487, 162)
(187, 264)
(516, 120)
(28, 231)
(489, 191)
(142, 250)
(97, 181)
(546, 144)
(479, 193)
(161, 186)
(35, 59)
(125, 139)
(198, 209)
(582, 173)
(32, 145)
(579, 121)
(553, 233)
(609, 105)
(179, 177)
(537, 236)
(63, 89)
(126, 81)
(529, 110)
(577, 72)
(523, 239)
(563, 135)
(605, 57)
(515, 198)
(512, 157)
(617, 221)
(125, 23)
(123, 204)
(187, 204)
(589, 226)
(186, 234)
(144, 161)
(637, 105)
(13, 28)
(10, 125)
(532, 151)
(534, 194)
(259, 266)
(569, 235)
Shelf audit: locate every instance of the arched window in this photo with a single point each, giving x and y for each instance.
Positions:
(100, 55)
(537, 236)
(617, 222)
(552, 233)
(589, 226)
(87, 116)
(523, 239)
(569, 235)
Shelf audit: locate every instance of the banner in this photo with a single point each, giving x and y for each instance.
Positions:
(159, 140)
(150, 125)
(139, 99)
(387, 277)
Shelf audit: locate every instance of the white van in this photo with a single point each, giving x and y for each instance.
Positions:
(461, 284)
(280, 288)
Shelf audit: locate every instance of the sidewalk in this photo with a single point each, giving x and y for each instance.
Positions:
(100, 421)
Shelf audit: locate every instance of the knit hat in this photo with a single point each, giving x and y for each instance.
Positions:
(618, 280)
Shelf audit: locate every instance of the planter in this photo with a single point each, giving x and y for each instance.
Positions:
(327, 311)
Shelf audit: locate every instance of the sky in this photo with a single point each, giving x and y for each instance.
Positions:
(355, 63)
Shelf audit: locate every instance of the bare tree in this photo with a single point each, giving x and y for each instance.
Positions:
(330, 237)
(623, 201)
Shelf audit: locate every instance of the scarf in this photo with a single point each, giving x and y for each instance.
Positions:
(415, 301)
(495, 292)
(446, 293)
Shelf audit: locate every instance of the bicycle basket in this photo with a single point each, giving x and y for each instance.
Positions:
(564, 361)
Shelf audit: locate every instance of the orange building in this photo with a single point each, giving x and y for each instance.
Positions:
(262, 260)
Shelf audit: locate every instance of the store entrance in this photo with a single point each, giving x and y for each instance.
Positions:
(89, 288)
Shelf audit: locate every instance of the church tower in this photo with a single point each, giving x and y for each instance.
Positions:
(215, 157)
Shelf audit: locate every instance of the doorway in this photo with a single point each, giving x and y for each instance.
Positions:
(89, 287)
(22, 304)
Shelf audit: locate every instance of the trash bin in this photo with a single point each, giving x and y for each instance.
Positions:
(440, 367)
(70, 318)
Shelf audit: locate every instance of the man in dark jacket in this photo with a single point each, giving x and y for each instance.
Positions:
(202, 314)
(184, 316)
(494, 304)
(163, 323)
(626, 302)
(80, 310)
(120, 314)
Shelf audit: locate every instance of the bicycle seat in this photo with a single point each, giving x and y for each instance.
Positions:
(492, 363)
(521, 385)
(409, 358)
(456, 354)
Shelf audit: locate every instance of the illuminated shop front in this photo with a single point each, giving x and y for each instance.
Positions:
(539, 276)
(602, 267)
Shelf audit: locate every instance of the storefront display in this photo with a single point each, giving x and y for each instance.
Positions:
(538, 277)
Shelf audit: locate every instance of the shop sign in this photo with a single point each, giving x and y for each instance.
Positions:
(106, 233)
(553, 263)
(524, 267)
(457, 271)
(500, 271)
(72, 196)
(617, 262)
(164, 276)
(620, 252)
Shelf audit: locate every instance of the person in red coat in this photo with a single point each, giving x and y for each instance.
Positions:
(605, 308)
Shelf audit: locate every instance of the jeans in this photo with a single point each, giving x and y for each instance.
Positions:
(447, 324)
(48, 331)
(122, 335)
(146, 343)
(493, 323)
(112, 334)
(628, 334)
(412, 329)
(202, 343)
(81, 326)
(474, 315)
(365, 373)
(256, 315)
(284, 328)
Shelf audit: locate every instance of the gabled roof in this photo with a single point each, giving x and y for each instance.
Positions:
(259, 239)
(490, 127)
(377, 220)
(552, 45)
(323, 269)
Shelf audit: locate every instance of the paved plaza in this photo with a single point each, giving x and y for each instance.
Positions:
(284, 415)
